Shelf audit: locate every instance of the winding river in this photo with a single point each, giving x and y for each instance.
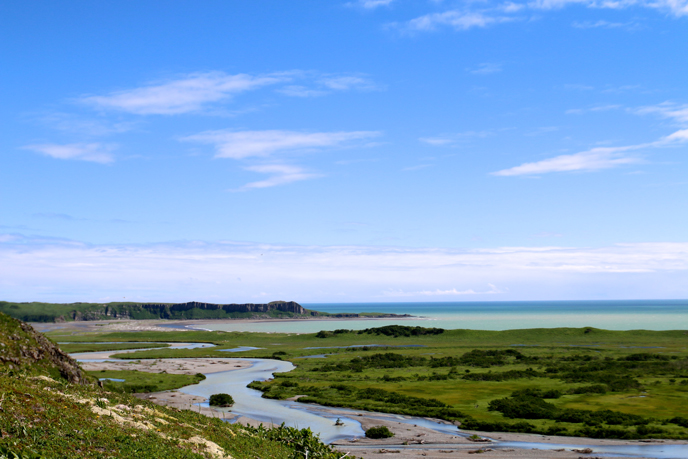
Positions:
(249, 403)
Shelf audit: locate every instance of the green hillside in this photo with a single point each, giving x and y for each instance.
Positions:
(50, 409)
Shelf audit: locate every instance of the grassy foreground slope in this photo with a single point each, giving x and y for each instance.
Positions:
(50, 409)
(566, 381)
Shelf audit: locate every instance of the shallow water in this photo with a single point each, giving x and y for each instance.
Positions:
(249, 403)
(240, 349)
(488, 315)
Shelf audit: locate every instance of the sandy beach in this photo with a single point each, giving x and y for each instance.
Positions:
(104, 326)
(171, 366)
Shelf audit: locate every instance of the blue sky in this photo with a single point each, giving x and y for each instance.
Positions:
(333, 151)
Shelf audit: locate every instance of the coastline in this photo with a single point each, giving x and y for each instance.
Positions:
(167, 325)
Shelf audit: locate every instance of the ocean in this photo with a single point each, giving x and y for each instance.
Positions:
(489, 315)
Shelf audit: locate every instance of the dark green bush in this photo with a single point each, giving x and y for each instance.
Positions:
(222, 400)
(378, 432)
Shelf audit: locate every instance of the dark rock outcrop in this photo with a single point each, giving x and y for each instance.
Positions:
(284, 306)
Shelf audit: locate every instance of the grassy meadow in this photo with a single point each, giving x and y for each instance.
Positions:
(567, 381)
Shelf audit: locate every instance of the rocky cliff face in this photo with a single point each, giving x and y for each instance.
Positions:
(284, 306)
(182, 310)
(24, 349)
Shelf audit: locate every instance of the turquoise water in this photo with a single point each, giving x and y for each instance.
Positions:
(489, 315)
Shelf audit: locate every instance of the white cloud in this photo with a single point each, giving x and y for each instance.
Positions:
(371, 4)
(669, 110)
(246, 144)
(343, 83)
(591, 160)
(598, 108)
(451, 292)
(437, 141)
(677, 7)
(282, 174)
(486, 68)
(504, 12)
(449, 139)
(301, 91)
(84, 126)
(72, 271)
(95, 152)
(187, 94)
(600, 24)
(459, 20)
(326, 84)
(594, 159)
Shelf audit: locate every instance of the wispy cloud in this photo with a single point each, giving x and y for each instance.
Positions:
(273, 146)
(601, 24)
(591, 160)
(669, 110)
(458, 20)
(450, 292)
(506, 12)
(55, 216)
(73, 271)
(183, 95)
(486, 68)
(370, 4)
(597, 108)
(281, 174)
(295, 90)
(84, 126)
(95, 152)
(449, 139)
(322, 85)
(246, 144)
(594, 159)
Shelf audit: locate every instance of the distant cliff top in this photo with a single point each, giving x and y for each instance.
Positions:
(67, 312)
(61, 312)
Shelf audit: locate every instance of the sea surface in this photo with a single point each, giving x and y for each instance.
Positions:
(488, 315)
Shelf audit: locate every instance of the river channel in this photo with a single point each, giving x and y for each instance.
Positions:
(249, 403)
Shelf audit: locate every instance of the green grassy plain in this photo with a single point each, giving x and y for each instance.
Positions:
(563, 359)
(142, 381)
(74, 348)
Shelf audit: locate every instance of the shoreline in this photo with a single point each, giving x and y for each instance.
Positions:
(168, 325)
(413, 440)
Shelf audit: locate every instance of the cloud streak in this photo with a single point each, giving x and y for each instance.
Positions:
(281, 174)
(466, 19)
(271, 145)
(247, 144)
(592, 160)
(199, 91)
(93, 152)
(188, 94)
(457, 20)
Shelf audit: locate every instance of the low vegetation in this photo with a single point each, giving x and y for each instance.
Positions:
(567, 381)
(50, 408)
(221, 400)
(379, 432)
(132, 382)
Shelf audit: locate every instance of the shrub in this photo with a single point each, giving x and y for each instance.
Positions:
(221, 400)
(378, 432)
